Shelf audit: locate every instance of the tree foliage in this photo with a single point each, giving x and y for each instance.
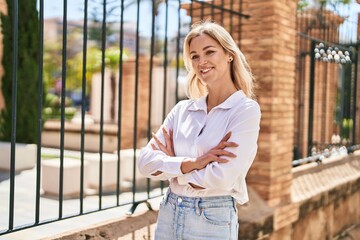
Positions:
(27, 72)
(302, 4)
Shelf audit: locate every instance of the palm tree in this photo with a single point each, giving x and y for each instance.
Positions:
(112, 59)
(93, 66)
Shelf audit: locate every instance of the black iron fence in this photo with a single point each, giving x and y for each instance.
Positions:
(326, 115)
(75, 56)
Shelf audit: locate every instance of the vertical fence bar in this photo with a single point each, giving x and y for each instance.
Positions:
(136, 98)
(63, 92)
(120, 102)
(40, 106)
(231, 16)
(178, 53)
(212, 12)
(239, 25)
(202, 11)
(191, 12)
(355, 95)
(103, 45)
(311, 96)
(165, 71)
(165, 58)
(13, 113)
(222, 11)
(83, 98)
(152, 45)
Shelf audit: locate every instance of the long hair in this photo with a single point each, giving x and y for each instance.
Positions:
(240, 70)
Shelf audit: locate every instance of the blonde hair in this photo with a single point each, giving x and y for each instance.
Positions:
(240, 70)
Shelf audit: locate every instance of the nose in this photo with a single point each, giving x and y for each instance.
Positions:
(203, 61)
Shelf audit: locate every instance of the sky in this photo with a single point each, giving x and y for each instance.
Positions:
(75, 11)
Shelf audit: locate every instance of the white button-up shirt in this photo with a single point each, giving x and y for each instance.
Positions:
(195, 132)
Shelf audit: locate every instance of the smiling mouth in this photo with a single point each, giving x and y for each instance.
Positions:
(205, 70)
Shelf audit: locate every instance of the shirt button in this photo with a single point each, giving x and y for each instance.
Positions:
(179, 200)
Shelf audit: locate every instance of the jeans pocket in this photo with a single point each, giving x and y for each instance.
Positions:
(220, 216)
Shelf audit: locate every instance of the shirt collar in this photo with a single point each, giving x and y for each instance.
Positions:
(200, 103)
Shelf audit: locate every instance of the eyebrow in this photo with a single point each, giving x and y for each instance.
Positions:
(203, 48)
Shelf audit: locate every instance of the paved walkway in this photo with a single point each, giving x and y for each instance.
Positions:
(24, 206)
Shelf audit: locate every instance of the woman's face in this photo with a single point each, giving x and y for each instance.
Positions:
(209, 60)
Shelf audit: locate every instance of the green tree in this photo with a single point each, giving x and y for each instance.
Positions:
(27, 72)
(321, 3)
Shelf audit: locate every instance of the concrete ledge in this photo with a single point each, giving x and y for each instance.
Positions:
(328, 198)
(109, 171)
(71, 176)
(25, 156)
(112, 229)
(256, 218)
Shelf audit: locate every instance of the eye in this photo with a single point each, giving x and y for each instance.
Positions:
(194, 57)
(209, 52)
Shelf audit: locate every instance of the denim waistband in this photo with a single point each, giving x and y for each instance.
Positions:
(200, 202)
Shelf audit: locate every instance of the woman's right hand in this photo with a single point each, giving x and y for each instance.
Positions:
(215, 154)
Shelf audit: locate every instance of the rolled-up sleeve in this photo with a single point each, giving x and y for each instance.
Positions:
(223, 176)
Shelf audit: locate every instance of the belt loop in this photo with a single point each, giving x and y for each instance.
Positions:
(197, 206)
(234, 204)
(166, 197)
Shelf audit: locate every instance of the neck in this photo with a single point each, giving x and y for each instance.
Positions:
(218, 96)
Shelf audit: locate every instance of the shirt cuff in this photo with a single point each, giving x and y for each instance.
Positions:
(171, 165)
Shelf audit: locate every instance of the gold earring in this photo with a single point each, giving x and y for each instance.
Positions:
(231, 59)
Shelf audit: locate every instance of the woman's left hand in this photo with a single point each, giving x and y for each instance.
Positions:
(168, 147)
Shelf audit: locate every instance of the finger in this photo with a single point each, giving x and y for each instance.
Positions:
(226, 137)
(167, 137)
(171, 139)
(164, 131)
(223, 153)
(157, 140)
(171, 135)
(153, 146)
(223, 145)
(222, 160)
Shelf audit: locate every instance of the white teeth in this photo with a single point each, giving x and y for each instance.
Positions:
(205, 70)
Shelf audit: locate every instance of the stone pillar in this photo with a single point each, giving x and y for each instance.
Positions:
(268, 41)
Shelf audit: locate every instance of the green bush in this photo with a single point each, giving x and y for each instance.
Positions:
(52, 108)
(27, 73)
(347, 126)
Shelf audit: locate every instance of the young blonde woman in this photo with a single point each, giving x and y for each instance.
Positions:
(206, 144)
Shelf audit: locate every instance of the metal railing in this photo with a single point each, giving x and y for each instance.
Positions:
(326, 85)
(183, 13)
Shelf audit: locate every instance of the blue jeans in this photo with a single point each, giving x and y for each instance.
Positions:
(207, 218)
